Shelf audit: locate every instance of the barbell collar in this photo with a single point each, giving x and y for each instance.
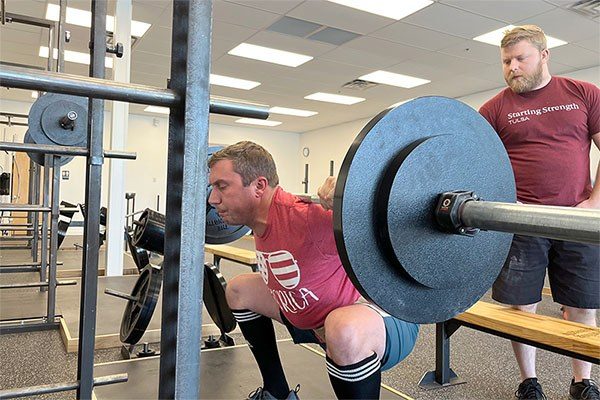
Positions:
(561, 223)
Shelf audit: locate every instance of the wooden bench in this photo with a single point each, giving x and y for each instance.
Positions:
(235, 254)
(571, 339)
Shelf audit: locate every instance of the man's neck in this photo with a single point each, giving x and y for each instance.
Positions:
(259, 226)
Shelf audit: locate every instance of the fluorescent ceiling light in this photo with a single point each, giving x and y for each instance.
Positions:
(390, 78)
(157, 109)
(253, 121)
(495, 37)
(268, 54)
(292, 111)
(74, 56)
(79, 17)
(221, 80)
(334, 98)
(397, 9)
(34, 94)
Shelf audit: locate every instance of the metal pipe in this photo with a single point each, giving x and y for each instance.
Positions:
(10, 270)
(16, 229)
(59, 387)
(93, 187)
(36, 284)
(34, 198)
(48, 160)
(25, 78)
(121, 295)
(179, 374)
(50, 48)
(560, 223)
(4, 226)
(60, 35)
(23, 207)
(51, 305)
(63, 150)
(25, 264)
(15, 238)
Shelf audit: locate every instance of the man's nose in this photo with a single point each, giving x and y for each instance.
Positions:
(213, 198)
(514, 65)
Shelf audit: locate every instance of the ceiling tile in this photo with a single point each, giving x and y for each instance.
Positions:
(452, 21)
(276, 6)
(338, 16)
(401, 32)
(507, 10)
(562, 24)
(476, 51)
(592, 43)
(240, 15)
(574, 56)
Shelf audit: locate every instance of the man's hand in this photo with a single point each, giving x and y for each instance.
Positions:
(326, 191)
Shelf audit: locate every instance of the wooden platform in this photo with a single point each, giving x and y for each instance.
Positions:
(228, 373)
(551, 332)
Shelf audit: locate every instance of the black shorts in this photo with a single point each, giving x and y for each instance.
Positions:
(573, 272)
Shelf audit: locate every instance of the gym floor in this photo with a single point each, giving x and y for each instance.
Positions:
(484, 361)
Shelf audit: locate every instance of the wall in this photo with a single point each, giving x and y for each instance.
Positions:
(146, 176)
(333, 142)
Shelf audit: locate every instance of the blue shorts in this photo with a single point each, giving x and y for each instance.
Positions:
(400, 337)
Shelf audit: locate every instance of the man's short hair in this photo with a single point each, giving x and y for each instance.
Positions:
(250, 160)
(532, 33)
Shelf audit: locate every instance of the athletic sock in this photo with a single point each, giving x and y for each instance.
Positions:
(361, 380)
(260, 334)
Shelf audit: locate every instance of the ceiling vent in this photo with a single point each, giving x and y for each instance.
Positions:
(359, 84)
(588, 8)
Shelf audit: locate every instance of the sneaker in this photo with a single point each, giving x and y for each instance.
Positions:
(587, 389)
(262, 394)
(530, 389)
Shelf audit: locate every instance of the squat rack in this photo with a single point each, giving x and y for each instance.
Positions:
(188, 98)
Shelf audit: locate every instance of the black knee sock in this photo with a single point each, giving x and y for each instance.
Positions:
(260, 334)
(357, 381)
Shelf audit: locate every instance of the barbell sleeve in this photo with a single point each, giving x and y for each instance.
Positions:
(552, 222)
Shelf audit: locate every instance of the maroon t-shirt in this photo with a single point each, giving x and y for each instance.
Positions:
(547, 134)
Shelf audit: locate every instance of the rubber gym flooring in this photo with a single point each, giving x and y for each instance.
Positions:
(484, 361)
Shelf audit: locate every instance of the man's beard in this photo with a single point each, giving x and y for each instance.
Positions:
(525, 83)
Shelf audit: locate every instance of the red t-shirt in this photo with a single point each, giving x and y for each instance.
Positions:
(547, 134)
(298, 260)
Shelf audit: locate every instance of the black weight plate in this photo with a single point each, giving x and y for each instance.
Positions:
(52, 115)
(39, 158)
(137, 314)
(217, 231)
(149, 232)
(384, 204)
(139, 255)
(37, 110)
(214, 299)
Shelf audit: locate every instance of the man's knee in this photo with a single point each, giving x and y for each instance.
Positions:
(583, 315)
(530, 308)
(236, 293)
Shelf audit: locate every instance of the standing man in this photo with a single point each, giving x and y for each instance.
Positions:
(547, 124)
(302, 283)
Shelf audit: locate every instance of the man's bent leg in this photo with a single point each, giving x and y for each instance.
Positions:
(524, 353)
(254, 308)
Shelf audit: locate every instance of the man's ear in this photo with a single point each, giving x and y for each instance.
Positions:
(545, 54)
(261, 184)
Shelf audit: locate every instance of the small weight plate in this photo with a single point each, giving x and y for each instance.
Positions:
(149, 232)
(214, 299)
(138, 313)
(36, 112)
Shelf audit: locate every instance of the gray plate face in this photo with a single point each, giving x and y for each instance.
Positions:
(416, 272)
(36, 129)
(51, 117)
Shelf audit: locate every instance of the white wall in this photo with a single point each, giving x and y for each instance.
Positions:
(148, 136)
(333, 142)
